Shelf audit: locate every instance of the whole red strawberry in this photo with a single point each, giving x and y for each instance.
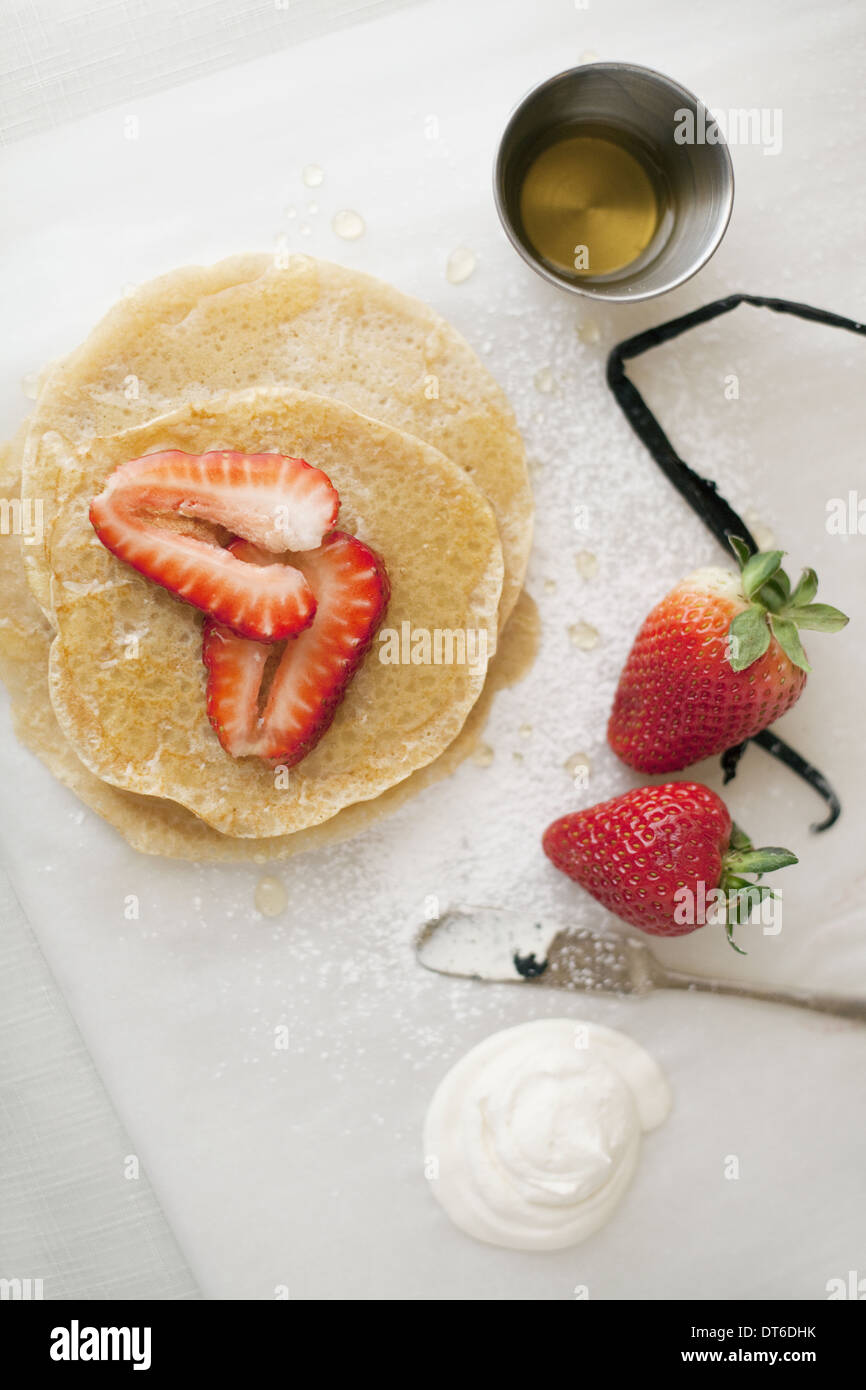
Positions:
(664, 858)
(715, 662)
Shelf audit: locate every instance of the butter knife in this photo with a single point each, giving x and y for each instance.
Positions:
(503, 946)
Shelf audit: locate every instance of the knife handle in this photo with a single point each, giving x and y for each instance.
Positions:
(841, 1005)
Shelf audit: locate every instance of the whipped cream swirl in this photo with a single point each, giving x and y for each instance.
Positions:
(533, 1137)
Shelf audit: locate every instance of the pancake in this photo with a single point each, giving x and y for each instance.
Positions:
(252, 321)
(141, 723)
(155, 826)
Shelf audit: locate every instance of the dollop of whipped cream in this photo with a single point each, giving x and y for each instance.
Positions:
(533, 1137)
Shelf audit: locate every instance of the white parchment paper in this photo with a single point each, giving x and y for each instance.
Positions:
(301, 1167)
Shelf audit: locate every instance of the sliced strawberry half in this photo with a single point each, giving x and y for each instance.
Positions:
(352, 591)
(278, 503)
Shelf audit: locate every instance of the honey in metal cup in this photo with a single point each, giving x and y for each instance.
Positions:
(600, 188)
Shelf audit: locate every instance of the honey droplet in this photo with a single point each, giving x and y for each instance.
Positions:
(588, 331)
(586, 564)
(312, 208)
(588, 55)
(482, 755)
(313, 175)
(348, 225)
(550, 586)
(583, 636)
(271, 897)
(305, 229)
(460, 265)
(291, 212)
(578, 767)
(525, 731)
(545, 381)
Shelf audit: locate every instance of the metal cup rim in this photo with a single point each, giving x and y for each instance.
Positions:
(580, 287)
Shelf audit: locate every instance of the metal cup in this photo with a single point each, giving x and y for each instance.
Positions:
(648, 108)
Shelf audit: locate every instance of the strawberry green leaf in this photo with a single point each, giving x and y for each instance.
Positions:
(807, 588)
(758, 569)
(776, 593)
(740, 905)
(740, 549)
(748, 638)
(759, 890)
(739, 838)
(739, 909)
(785, 633)
(759, 861)
(781, 582)
(818, 617)
(734, 881)
(746, 898)
(729, 931)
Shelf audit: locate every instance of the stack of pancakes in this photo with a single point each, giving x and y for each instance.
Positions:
(305, 359)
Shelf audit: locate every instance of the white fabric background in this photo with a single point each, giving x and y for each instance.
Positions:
(69, 1214)
(65, 58)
